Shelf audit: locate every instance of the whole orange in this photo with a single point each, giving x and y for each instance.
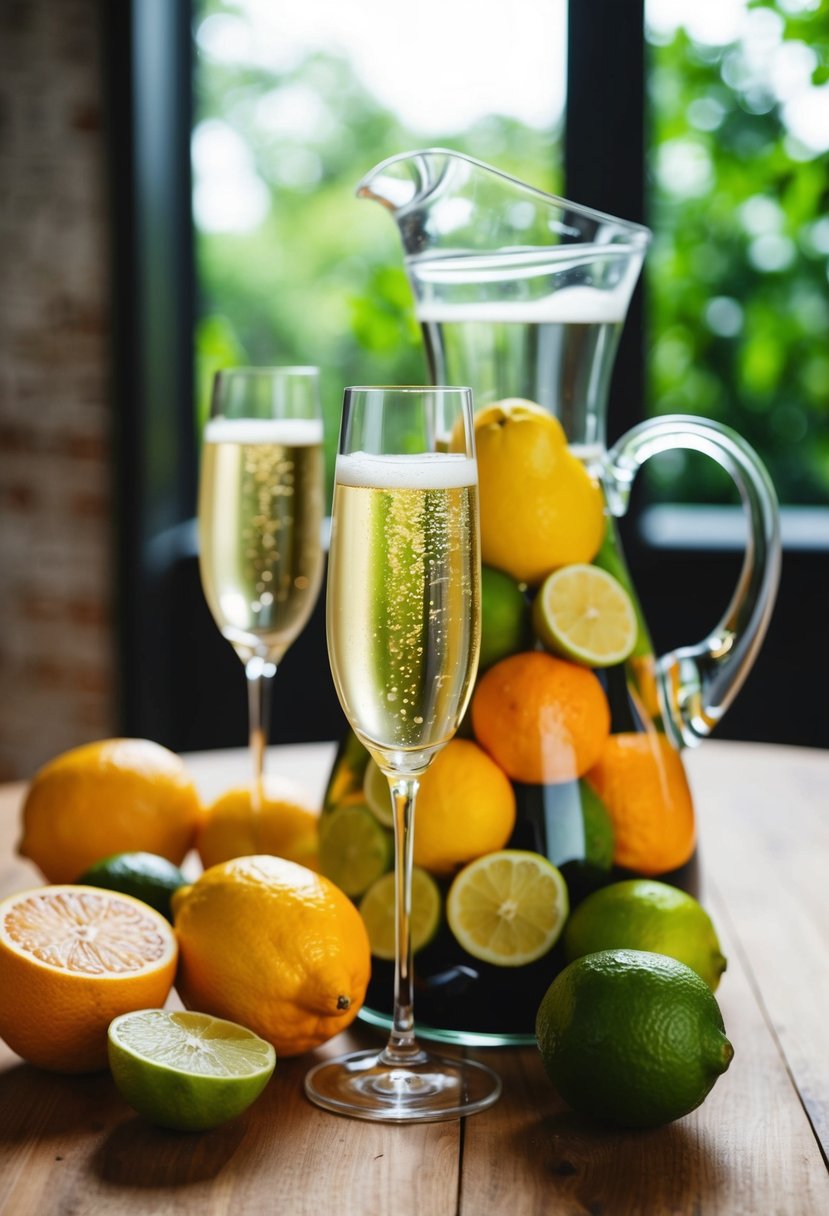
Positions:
(641, 780)
(268, 943)
(543, 720)
(286, 825)
(111, 796)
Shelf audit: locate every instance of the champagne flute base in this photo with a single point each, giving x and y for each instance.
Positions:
(364, 1085)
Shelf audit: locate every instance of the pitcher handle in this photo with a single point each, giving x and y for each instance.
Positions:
(698, 683)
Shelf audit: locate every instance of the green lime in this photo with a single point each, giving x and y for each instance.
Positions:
(354, 849)
(584, 614)
(507, 908)
(187, 1071)
(377, 911)
(145, 876)
(631, 1038)
(504, 616)
(377, 794)
(642, 914)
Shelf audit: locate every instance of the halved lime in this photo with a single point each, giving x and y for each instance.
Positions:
(354, 849)
(584, 614)
(377, 911)
(508, 908)
(377, 794)
(187, 1071)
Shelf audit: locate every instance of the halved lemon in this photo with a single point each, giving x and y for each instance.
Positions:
(508, 908)
(354, 848)
(188, 1071)
(377, 911)
(584, 614)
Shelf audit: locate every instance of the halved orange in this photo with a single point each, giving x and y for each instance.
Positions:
(71, 959)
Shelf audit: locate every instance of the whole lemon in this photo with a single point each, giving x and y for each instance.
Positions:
(631, 1038)
(270, 944)
(539, 506)
(286, 825)
(465, 808)
(111, 796)
(642, 914)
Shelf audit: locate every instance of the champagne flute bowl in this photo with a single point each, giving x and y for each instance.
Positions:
(403, 626)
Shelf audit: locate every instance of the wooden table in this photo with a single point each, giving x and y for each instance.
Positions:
(757, 1146)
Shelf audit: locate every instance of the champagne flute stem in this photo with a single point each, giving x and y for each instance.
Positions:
(402, 1047)
(260, 673)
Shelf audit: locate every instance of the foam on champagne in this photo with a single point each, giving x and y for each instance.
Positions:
(282, 432)
(425, 471)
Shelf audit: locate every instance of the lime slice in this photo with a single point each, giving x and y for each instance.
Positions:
(508, 908)
(377, 794)
(585, 614)
(377, 911)
(354, 849)
(188, 1071)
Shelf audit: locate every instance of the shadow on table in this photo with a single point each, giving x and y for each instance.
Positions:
(39, 1104)
(137, 1154)
(668, 1169)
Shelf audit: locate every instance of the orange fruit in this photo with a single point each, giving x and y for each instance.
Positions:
(269, 944)
(539, 506)
(465, 808)
(112, 796)
(641, 780)
(286, 825)
(71, 959)
(543, 720)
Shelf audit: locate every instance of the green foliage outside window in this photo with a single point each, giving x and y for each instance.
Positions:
(738, 292)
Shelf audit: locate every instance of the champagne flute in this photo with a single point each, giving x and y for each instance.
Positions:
(261, 502)
(403, 623)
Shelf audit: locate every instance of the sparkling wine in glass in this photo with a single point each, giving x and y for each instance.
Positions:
(403, 623)
(261, 503)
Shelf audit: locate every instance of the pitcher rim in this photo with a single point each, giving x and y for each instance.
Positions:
(640, 232)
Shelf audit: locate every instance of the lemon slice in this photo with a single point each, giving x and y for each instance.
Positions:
(508, 908)
(377, 911)
(377, 794)
(584, 614)
(188, 1071)
(354, 849)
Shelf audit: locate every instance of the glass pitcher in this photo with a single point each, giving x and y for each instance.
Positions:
(523, 296)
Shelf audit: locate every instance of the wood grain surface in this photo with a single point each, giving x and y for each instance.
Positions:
(70, 1146)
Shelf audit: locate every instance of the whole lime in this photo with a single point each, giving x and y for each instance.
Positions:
(145, 876)
(504, 616)
(631, 1038)
(642, 914)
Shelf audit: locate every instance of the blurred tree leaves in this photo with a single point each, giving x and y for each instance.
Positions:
(320, 279)
(738, 293)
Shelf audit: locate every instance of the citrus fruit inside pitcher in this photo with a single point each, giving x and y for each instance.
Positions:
(562, 756)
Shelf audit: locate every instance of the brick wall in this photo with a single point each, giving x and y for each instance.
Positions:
(56, 645)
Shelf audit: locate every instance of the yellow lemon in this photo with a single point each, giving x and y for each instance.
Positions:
(286, 825)
(540, 508)
(273, 946)
(465, 808)
(112, 796)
